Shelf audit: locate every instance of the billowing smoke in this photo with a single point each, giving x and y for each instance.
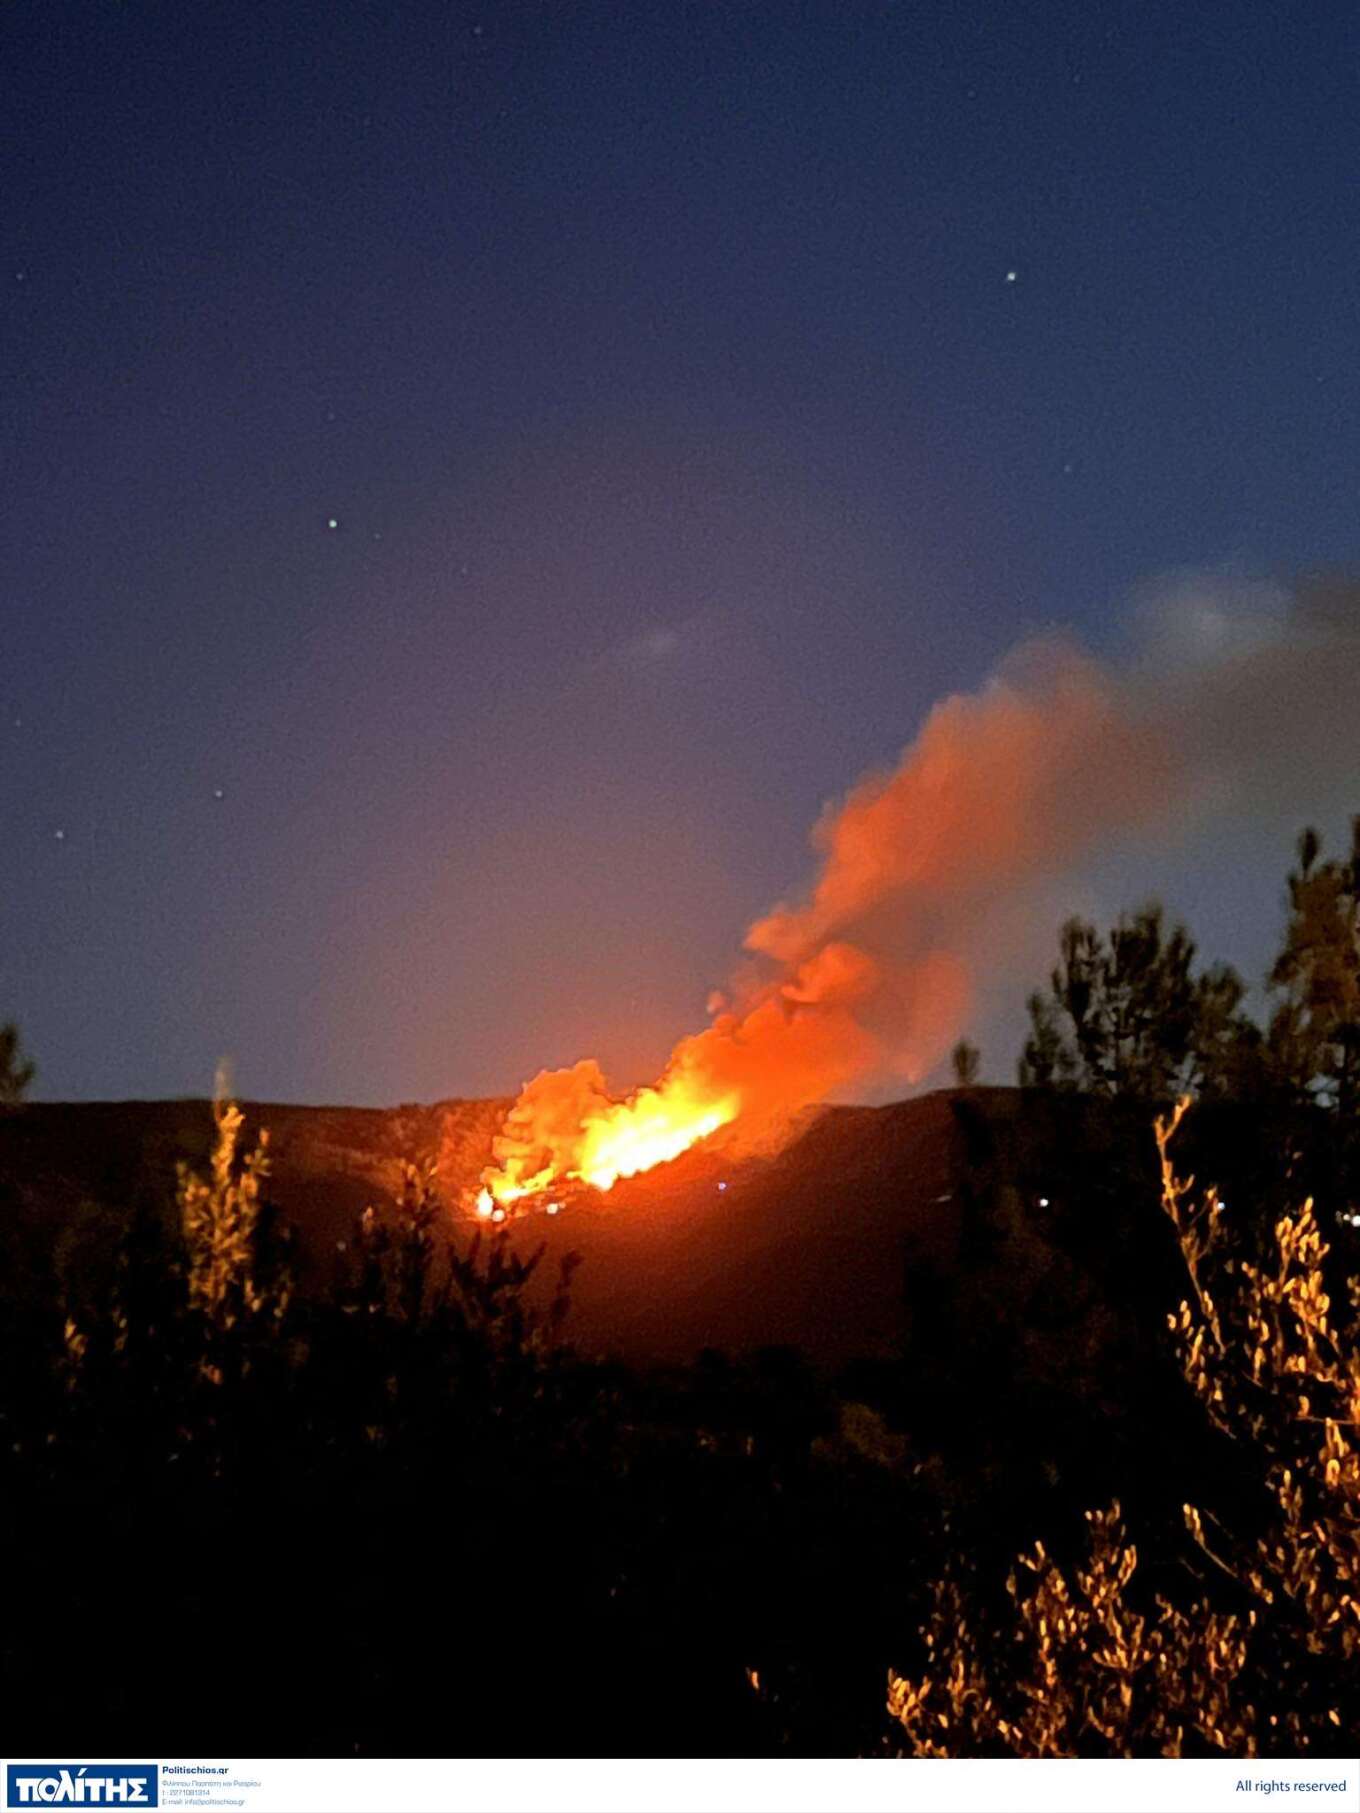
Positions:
(1238, 696)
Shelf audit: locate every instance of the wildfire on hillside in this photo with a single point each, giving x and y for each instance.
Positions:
(870, 977)
(793, 1043)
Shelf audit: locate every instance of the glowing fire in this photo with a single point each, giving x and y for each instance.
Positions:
(610, 1139)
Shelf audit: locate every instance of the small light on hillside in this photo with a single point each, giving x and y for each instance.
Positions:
(722, 1186)
(553, 1207)
(1043, 1202)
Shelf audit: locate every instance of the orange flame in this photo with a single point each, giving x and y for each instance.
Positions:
(548, 1140)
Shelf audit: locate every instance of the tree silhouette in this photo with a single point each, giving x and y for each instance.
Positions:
(965, 1059)
(15, 1072)
(1315, 1029)
(1127, 1015)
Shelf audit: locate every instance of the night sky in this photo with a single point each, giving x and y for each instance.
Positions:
(478, 479)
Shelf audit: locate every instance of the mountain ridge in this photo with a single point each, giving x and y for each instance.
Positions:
(801, 1245)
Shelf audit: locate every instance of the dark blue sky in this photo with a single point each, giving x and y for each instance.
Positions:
(685, 436)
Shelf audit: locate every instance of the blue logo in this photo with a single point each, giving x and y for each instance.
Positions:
(81, 1785)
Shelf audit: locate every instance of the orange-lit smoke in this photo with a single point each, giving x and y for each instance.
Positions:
(870, 977)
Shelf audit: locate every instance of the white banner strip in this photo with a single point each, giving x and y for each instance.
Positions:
(370, 1785)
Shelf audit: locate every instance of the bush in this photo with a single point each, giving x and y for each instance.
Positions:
(1093, 1662)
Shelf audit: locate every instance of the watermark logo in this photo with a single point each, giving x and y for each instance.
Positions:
(81, 1785)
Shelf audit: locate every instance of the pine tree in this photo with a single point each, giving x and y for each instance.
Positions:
(1127, 1015)
(1315, 1029)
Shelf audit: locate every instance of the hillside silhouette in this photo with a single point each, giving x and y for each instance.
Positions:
(806, 1247)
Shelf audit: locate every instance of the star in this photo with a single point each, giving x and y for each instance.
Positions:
(332, 522)
(218, 793)
(60, 835)
(1011, 276)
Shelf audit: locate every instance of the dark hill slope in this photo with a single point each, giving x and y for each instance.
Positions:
(802, 1248)
(327, 1163)
(974, 1205)
(808, 1248)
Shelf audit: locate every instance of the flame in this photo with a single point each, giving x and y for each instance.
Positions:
(612, 1138)
(636, 1138)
